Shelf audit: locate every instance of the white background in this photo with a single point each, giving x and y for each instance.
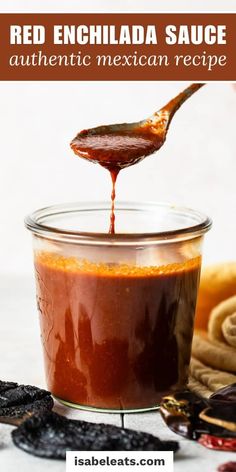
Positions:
(196, 167)
(115, 5)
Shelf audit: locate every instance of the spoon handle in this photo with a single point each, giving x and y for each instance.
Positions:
(174, 104)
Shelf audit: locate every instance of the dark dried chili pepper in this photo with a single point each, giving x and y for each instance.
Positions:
(7, 385)
(51, 435)
(189, 415)
(46, 434)
(181, 411)
(19, 401)
(221, 414)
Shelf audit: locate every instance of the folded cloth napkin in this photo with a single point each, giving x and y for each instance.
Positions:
(213, 353)
(198, 388)
(213, 363)
(222, 322)
(204, 380)
(217, 283)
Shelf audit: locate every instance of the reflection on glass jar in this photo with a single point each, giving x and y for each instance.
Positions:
(117, 311)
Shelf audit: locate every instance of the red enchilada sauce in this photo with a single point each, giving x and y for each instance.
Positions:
(116, 336)
(115, 151)
(118, 146)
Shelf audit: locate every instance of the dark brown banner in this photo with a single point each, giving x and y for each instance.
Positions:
(173, 46)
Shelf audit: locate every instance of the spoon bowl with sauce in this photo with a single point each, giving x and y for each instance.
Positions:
(122, 145)
(118, 146)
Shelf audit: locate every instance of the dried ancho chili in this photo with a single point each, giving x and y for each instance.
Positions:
(19, 401)
(210, 421)
(181, 412)
(46, 434)
(51, 435)
(223, 415)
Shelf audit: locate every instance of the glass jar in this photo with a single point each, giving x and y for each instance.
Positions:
(116, 311)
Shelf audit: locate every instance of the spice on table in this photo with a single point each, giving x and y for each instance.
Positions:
(215, 442)
(212, 421)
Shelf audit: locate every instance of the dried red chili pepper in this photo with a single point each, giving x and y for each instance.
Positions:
(215, 442)
(227, 467)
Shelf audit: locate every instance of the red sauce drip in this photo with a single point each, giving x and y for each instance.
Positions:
(115, 151)
(114, 174)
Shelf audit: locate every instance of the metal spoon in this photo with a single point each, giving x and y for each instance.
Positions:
(121, 145)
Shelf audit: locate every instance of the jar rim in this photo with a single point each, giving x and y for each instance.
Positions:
(34, 223)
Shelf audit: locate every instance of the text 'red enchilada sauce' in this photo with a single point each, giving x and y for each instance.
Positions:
(115, 151)
(115, 337)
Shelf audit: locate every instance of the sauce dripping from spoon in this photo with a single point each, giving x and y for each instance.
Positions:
(118, 146)
(115, 151)
(114, 175)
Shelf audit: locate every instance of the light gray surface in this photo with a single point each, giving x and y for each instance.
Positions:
(21, 361)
